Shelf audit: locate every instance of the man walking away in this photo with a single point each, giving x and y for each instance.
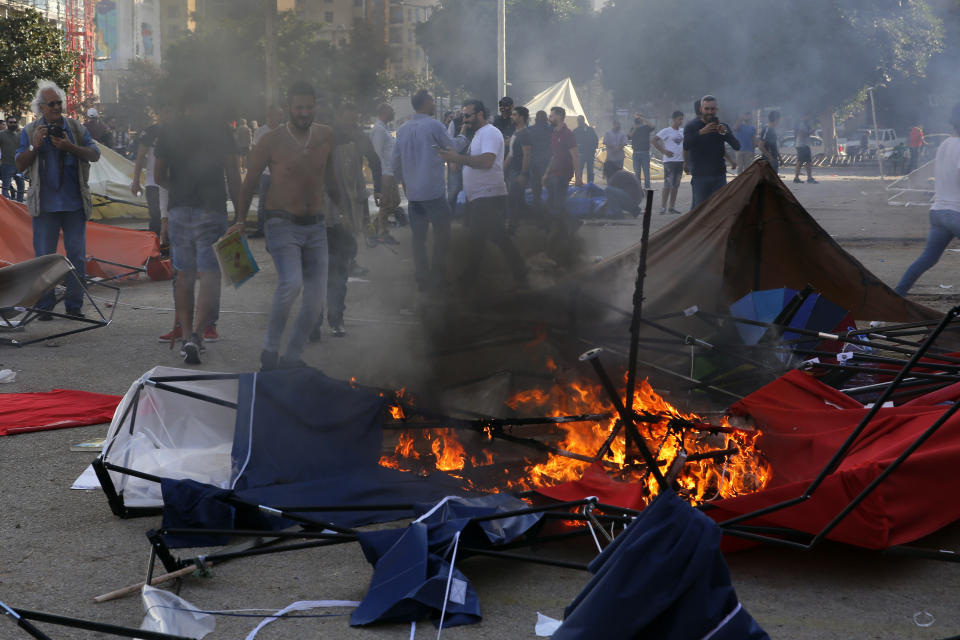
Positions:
(383, 143)
(945, 210)
(419, 169)
(9, 141)
(564, 163)
(804, 155)
(916, 146)
(197, 163)
(768, 141)
(296, 231)
(747, 137)
(587, 143)
(486, 194)
(541, 136)
(669, 142)
(274, 120)
(55, 152)
(704, 139)
(146, 159)
(640, 141)
(615, 141)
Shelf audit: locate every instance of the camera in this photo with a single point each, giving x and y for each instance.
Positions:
(55, 131)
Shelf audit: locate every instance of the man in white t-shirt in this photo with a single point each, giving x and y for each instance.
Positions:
(486, 194)
(945, 209)
(669, 142)
(615, 141)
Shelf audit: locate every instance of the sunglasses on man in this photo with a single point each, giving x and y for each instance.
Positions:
(55, 103)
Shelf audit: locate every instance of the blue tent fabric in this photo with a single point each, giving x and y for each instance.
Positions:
(302, 438)
(663, 577)
(816, 312)
(410, 567)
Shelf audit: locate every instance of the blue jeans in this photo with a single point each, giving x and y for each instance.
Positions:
(46, 235)
(424, 213)
(641, 161)
(299, 254)
(262, 200)
(192, 234)
(944, 227)
(8, 172)
(705, 186)
(586, 162)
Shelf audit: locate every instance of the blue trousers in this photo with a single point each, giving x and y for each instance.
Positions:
(641, 161)
(705, 186)
(46, 235)
(424, 213)
(8, 172)
(944, 227)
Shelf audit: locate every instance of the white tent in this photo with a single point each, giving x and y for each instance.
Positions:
(561, 94)
(110, 179)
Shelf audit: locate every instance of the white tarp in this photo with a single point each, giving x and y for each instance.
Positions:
(110, 178)
(562, 94)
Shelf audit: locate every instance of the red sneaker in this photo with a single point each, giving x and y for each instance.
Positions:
(174, 334)
(211, 335)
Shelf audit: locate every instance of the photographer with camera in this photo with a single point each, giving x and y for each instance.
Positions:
(704, 139)
(56, 152)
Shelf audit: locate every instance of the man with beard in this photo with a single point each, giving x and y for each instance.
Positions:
(564, 162)
(9, 141)
(297, 155)
(703, 140)
(486, 193)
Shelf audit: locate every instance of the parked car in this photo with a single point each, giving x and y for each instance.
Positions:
(787, 145)
(887, 139)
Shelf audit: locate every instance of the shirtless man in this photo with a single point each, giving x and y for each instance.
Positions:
(297, 155)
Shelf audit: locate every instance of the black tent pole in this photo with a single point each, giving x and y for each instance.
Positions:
(638, 303)
(22, 623)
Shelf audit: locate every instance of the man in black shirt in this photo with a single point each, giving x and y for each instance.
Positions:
(768, 141)
(587, 143)
(540, 152)
(192, 160)
(703, 141)
(504, 121)
(640, 141)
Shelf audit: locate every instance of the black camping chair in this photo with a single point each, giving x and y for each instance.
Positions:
(24, 283)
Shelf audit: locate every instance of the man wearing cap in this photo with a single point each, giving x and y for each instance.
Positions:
(98, 130)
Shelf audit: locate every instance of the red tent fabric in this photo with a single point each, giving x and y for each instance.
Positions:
(804, 422)
(57, 409)
(116, 244)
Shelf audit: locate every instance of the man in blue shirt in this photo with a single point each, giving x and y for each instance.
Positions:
(419, 169)
(746, 136)
(56, 152)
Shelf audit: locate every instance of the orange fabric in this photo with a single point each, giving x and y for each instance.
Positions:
(116, 244)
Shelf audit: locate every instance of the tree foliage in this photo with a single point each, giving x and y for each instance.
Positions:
(547, 40)
(31, 49)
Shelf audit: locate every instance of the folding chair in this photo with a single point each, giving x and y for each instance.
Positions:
(24, 283)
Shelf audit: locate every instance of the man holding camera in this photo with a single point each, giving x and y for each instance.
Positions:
(704, 139)
(55, 152)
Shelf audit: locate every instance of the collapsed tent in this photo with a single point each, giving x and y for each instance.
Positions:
(110, 179)
(803, 424)
(197, 445)
(750, 235)
(105, 244)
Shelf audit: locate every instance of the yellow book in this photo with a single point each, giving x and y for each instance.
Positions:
(236, 261)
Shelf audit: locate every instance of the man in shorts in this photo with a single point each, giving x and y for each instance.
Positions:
(669, 142)
(192, 160)
(297, 155)
(804, 157)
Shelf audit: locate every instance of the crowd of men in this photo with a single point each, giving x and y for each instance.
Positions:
(306, 167)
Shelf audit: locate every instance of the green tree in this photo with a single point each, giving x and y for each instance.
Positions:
(136, 94)
(31, 49)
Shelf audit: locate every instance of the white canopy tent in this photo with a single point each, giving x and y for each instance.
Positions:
(561, 94)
